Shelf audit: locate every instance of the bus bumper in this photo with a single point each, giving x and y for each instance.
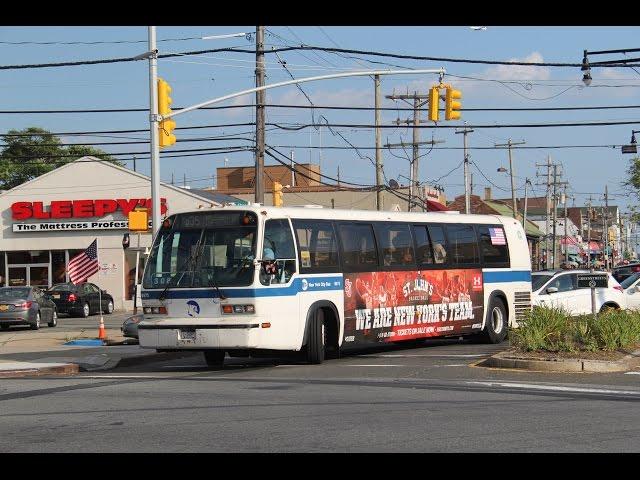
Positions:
(242, 333)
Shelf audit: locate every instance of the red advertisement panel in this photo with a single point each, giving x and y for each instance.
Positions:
(396, 306)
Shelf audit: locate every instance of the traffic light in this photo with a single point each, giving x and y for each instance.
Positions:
(434, 104)
(139, 220)
(452, 106)
(277, 194)
(165, 128)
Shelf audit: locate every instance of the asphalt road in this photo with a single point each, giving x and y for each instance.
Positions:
(423, 399)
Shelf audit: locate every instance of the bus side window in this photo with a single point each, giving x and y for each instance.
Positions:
(278, 245)
(317, 244)
(358, 246)
(436, 234)
(463, 244)
(493, 244)
(424, 252)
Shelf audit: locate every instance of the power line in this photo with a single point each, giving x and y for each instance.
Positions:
(324, 107)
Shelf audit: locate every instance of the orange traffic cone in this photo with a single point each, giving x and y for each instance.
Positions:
(102, 334)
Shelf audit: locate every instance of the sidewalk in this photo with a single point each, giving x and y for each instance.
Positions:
(26, 357)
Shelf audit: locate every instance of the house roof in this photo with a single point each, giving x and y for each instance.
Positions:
(530, 229)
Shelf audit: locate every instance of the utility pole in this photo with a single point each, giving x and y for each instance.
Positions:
(134, 163)
(605, 228)
(467, 187)
(260, 101)
(566, 237)
(590, 265)
(548, 205)
(379, 180)
(293, 170)
(524, 217)
(513, 185)
(416, 148)
(555, 214)
(154, 124)
(415, 144)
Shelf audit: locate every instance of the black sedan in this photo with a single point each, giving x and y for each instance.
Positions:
(26, 306)
(80, 300)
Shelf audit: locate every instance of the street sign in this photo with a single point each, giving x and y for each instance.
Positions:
(593, 280)
(629, 149)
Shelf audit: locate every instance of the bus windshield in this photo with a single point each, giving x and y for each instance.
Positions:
(203, 249)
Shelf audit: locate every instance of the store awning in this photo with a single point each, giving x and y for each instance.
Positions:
(436, 207)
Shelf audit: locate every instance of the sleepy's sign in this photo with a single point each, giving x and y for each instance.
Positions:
(80, 208)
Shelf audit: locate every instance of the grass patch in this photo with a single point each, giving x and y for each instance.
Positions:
(554, 330)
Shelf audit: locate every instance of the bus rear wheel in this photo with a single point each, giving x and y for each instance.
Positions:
(317, 338)
(495, 329)
(214, 358)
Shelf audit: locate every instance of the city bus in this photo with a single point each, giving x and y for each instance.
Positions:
(256, 280)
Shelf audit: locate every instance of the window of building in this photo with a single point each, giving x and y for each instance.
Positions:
(463, 244)
(317, 245)
(58, 267)
(28, 256)
(358, 246)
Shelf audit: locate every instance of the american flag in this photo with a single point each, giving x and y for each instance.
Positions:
(497, 236)
(84, 265)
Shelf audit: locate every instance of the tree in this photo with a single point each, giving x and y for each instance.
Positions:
(32, 152)
(632, 184)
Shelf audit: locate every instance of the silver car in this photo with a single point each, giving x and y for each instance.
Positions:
(26, 305)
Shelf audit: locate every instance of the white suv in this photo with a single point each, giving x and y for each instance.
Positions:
(560, 289)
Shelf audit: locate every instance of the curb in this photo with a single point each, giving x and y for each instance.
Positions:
(66, 369)
(511, 360)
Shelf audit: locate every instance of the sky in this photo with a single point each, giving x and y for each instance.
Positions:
(197, 78)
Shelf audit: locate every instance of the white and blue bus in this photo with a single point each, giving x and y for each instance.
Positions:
(255, 280)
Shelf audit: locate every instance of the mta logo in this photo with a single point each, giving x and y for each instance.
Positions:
(193, 308)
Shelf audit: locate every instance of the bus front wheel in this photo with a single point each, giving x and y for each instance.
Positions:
(214, 358)
(495, 329)
(317, 337)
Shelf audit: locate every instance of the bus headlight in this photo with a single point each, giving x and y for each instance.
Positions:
(156, 310)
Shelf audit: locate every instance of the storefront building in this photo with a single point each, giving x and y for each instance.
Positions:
(52, 218)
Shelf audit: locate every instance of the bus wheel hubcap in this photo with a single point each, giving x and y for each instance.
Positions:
(496, 320)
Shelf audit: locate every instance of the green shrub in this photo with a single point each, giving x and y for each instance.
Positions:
(554, 330)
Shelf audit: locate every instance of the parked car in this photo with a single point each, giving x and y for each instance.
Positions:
(559, 288)
(80, 300)
(631, 286)
(622, 272)
(26, 305)
(130, 326)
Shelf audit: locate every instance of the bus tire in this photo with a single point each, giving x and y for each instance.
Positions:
(214, 358)
(495, 329)
(316, 338)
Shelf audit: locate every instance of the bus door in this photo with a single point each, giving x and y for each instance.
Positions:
(279, 290)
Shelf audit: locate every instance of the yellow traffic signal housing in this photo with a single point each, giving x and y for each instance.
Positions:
(434, 104)
(277, 194)
(139, 220)
(165, 127)
(452, 106)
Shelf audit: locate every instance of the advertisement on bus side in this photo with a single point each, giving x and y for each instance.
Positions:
(404, 305)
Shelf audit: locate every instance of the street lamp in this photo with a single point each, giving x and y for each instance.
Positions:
(586, 67)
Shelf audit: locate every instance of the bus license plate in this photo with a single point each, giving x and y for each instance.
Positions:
(189, 335)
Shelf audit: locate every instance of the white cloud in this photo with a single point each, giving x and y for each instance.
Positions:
(520, 72)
